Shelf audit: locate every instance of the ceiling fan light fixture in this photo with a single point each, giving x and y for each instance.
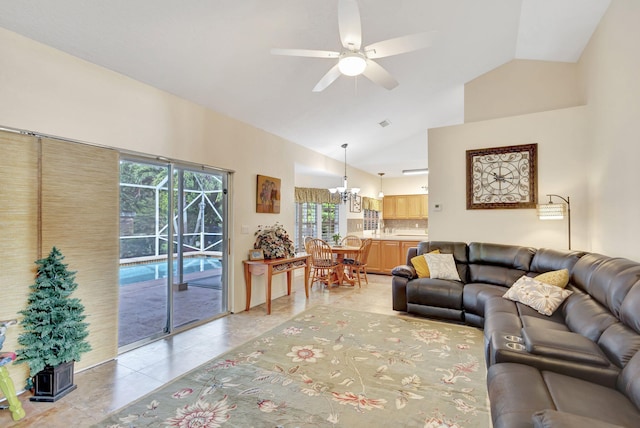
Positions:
(352, 64)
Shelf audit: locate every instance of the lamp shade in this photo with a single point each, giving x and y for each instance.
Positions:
(552, 211)
(352, 64)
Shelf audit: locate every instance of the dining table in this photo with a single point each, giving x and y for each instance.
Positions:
(342, 252)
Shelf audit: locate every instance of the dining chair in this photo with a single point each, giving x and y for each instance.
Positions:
(351, 241)
(358, 265)
(323, 267)
(307, 239)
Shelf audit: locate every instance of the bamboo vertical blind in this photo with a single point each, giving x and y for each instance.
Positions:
(80, 200)
(56, 193)
(19, 231)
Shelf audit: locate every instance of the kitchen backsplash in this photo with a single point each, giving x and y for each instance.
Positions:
(354, 225)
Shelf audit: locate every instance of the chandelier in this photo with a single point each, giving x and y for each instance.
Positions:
(345, 193)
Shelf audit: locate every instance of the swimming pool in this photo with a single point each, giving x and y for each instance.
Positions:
(157, 270)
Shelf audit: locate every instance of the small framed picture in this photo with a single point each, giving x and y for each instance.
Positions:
(356, 204)
(256, 255)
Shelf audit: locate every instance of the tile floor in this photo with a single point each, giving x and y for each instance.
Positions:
(133, 374)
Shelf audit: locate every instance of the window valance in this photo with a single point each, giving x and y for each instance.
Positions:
(315, 196)
(371, 204)
(323, 196)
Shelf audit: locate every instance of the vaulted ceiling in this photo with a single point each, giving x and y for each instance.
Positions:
(217, 53)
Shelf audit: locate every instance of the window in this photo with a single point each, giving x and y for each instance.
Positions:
(316, 220)
(306, 224)
(371, 219)
(330, 221)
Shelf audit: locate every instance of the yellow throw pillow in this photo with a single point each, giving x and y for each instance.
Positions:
(420, 263)
(559, 278)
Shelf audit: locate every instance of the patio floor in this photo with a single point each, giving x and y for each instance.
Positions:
(143, 305)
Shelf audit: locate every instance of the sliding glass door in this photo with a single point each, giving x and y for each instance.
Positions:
(173, 254)
(199, 241)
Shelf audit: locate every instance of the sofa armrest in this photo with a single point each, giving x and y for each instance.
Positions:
(554, 419)
(564, 345)
(411, 253)
(399, 293)
(405, 271)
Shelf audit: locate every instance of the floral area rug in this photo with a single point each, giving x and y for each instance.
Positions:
(330, 367)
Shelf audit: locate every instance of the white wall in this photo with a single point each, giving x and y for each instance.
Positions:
(611, 69)
(594, 151)
(562, 156)
(47, 91)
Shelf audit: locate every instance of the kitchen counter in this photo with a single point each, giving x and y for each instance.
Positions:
(396, 237)
(389, 250)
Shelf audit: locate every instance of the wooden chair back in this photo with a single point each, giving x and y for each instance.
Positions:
(351, 241)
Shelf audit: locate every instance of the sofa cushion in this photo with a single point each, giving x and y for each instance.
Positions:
(559, 278)
(475, 296)
(546, 260)
(458, 249)
(607, 280)
(629, 313)
(435, 292)
(542, 297)
(516, 391)
(591, 400)
(442, 266)
(510, 256)
(629, 380)
(585, 315)
(620, 343)
(421, 265)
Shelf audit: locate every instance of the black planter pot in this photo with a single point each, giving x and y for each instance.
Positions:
(53, 383)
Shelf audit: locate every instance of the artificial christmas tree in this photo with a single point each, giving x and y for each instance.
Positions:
(54, 330)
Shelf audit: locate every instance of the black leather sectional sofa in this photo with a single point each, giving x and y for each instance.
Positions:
(579, 367)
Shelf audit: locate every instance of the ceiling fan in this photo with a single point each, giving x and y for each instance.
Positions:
(354, 60)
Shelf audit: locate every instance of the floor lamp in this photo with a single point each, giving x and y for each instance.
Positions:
(551, 211)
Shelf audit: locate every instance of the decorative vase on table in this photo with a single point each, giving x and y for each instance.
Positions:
(274, 242)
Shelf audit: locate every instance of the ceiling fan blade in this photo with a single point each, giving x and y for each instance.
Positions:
(349, 24)
(377, 74)
(400, 45)
(305, 52)
(327, 79)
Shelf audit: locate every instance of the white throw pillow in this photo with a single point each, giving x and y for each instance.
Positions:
(542, 297)
(442, 266)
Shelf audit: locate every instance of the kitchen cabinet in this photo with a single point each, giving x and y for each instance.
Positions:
(405, 207)
(386, 254)
(389, 252)
(404, 249)
(373, 262)
(389, 207)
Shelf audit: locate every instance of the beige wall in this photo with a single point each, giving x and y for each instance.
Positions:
(520, 87)
(562, 155)
(611, 69)
(587, 153)
(50, 92)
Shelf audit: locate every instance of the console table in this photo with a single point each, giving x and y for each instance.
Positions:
(273, 267)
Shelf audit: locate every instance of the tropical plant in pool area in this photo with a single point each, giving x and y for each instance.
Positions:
(53, 323)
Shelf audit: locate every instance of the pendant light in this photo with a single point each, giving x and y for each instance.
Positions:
(345, 193)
